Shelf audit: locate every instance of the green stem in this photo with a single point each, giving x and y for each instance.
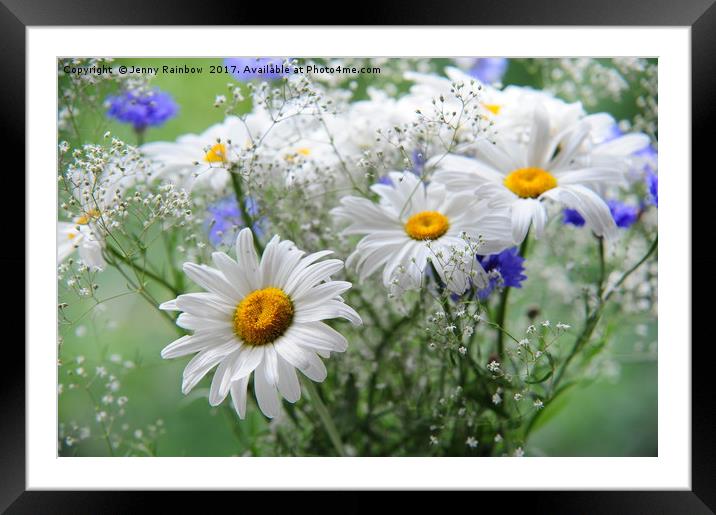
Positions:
(502, 307)
(602, 267)
(139, 288)
(105, 429)
(143, 271)
(626, 274)
(325, 417)
(386, 340)
(245, 215)
(582, 339)
(594, 316)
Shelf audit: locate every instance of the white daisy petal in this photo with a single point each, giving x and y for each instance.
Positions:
(539, 138)
(212, 280)
(288, 348)
(497, 157)
(316, 370)
(221, 382)
(205, 305)
(270, 364)
(233, 273)
(319, 336)
(238, 395)
(460, 173)
(170, 305)
(288, 385)
(196, 323)
(523, 212)
(327, 310)
(319, 293)
(266, 394)
(301, 266)
(249, 358)
(269, 267)
(194, 343)
(312, 275)
(290, 258)
(247, 258)
(593, 209)
(595, 176)
(202, 363)
(569, 148)
(624, 145)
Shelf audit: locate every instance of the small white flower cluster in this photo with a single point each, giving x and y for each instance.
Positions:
(423, 181)
(84, 84)
(102, 383)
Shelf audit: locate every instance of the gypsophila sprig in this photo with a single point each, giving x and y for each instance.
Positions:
(500, 247)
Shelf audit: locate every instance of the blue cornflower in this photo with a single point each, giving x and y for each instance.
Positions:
(652, 182)
(648, 152)
(614, 133)
(142, 108)
(385, 179)
(225, 220)
(572, 217)
(489, 69)
(510, 266)
(624, 215)
(248, 68)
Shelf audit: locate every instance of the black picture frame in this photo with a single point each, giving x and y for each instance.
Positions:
(17, 15)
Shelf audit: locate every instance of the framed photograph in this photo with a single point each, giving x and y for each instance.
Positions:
(359, 258)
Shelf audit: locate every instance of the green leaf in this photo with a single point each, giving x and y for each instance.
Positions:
(551, 408)
(541, 379)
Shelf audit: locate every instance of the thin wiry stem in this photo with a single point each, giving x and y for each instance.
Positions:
(325, 417)
(245, 215)
(502, 307)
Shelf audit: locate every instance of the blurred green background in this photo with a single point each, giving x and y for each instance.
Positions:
(609, 417)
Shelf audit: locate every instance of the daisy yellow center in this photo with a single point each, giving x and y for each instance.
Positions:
(87, 217)
(530, 182)
(216, 154)
(493, 108)
(427, 225)
(303, 151)
(262, 316)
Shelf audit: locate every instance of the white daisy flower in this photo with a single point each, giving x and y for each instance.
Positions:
(79, 236)
(519, 177)
(203, 160)
(263, 317)
(416, 223)
(428, 86)
(514, 106)
(509, 109)
(308, 162)
(608, 145)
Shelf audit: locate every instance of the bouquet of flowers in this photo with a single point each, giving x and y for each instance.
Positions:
(336, 256)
